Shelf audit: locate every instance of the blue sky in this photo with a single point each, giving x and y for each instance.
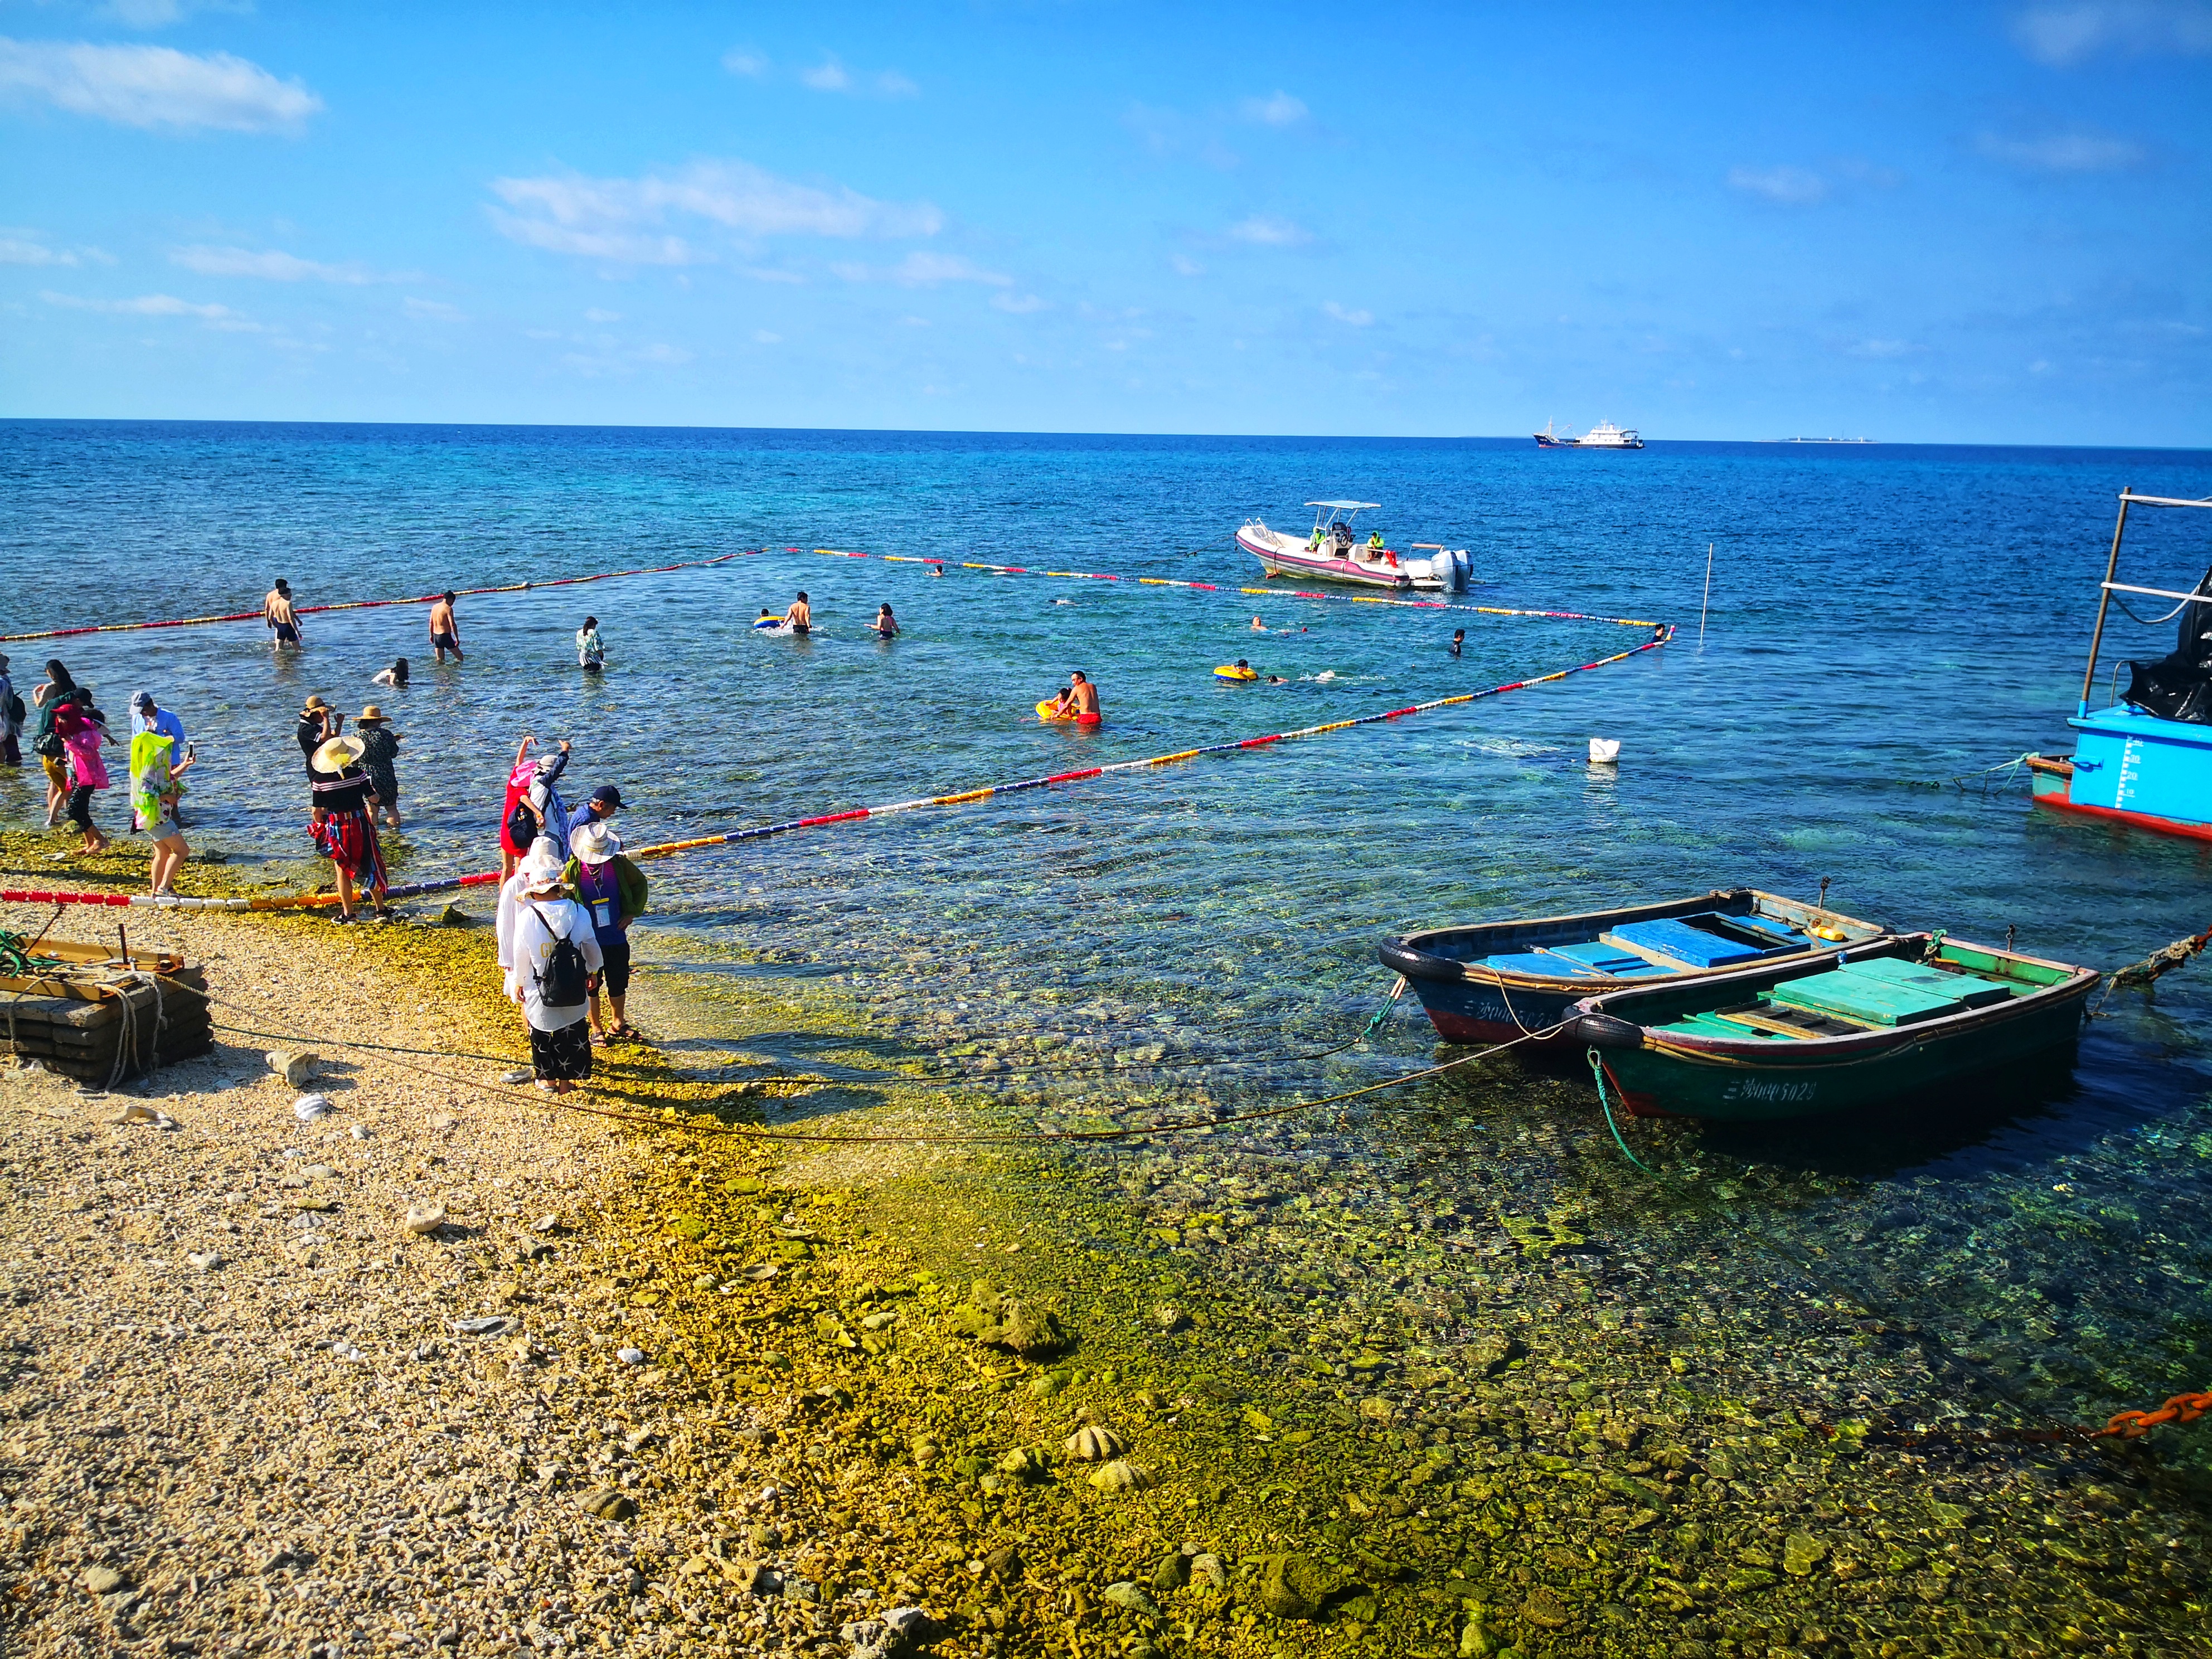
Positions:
(1927, 223)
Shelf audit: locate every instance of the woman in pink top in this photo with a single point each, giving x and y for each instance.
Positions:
(81, 727)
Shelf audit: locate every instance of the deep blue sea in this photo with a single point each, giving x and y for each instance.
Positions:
(1883, 620)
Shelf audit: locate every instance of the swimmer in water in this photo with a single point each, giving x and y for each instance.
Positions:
(1083, 698)
(1459, 639)
(1259, 627)
(885, 627)
(800, 616)
(1277, 679)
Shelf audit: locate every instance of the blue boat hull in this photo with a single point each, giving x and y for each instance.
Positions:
(2132, 767)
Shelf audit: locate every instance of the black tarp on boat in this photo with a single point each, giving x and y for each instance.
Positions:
(2179, 686)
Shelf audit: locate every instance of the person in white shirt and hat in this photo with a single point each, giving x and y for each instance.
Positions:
(552, 953)
(543, 856)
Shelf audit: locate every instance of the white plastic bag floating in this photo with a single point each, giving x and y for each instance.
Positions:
(1604, 752)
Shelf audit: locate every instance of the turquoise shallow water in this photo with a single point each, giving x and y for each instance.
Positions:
(1882, 620)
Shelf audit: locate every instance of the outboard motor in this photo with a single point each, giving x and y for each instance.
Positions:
(1463, 570)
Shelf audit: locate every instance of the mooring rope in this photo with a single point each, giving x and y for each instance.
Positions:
(752, 1132)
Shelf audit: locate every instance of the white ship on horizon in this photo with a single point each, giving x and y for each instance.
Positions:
(1604, 436)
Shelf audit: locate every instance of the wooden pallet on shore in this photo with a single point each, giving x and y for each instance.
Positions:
(100, 1018)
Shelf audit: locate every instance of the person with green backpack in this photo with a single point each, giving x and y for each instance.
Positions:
(613, 891)
(553, 954)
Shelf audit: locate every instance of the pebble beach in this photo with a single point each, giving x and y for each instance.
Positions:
(666, 1385)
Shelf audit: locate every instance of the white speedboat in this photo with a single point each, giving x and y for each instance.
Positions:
(1330, 552)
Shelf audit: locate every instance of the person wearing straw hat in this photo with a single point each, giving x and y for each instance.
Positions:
(553, 954)
(341, 828)
(613, 891)
(379, 748)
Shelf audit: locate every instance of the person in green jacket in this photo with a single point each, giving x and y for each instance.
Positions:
(613, 891)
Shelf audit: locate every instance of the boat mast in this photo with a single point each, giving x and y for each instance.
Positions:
(2104, 602)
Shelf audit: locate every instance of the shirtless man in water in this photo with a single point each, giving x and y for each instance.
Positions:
(801, 618)
(444, 633)
(277, 614)
(1084, 697)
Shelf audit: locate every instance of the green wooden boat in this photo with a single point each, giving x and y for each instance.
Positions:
(1862, 1029)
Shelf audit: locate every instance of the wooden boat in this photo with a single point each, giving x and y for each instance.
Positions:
(1496, 981)
(1862, 1027)
(87, 1013)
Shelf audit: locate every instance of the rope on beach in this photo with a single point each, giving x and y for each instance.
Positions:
(960, 798)
(753, 1131)
(1216, 587)
(376, 604)
(1389, 1003)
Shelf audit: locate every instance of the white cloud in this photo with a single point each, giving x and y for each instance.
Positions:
(923, 269)
(2079, 151)
(831, 76)
(160, 14)
(435, 311)
(618, 220)
(766, 336)
(596, 315)
(2073, 30)
(29, 248)
(1356, 319)
(1184, 266)
(1785, 186)
(1882, 348)
(153, 86)
(744, 60)
(147, 304)
(1279, 109)
(1262, 230)
(1020, 304)
(1167, 134)
(273, 266)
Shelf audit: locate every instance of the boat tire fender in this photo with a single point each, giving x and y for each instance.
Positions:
(1605, 1031)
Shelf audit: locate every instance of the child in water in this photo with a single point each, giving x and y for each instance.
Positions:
(885, 626)
(591, 650)
(395, 677)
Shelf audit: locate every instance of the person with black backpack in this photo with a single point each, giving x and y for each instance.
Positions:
(553, 955)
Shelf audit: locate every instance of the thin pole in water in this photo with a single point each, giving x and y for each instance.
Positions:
(1708, 602)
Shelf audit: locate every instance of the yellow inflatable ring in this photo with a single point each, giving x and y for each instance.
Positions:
(1229, 671)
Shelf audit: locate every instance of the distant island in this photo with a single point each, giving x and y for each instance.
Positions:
(1815, 441)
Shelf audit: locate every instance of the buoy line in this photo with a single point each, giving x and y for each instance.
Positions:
(1218, 587)
(377, 604)
(836, 553)
(761, 832)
